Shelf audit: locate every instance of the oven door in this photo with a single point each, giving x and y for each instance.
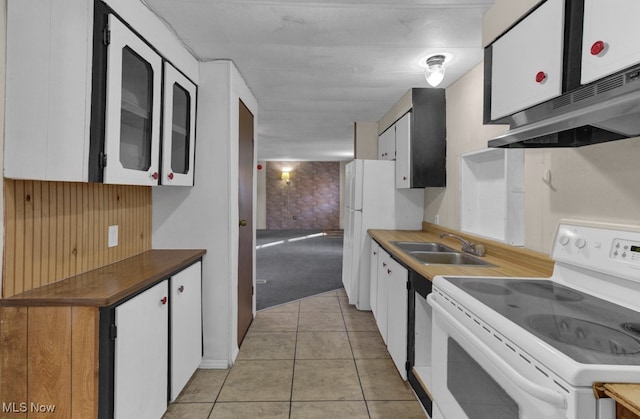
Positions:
(470, 381)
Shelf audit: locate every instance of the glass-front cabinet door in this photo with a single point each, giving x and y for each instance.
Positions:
(178, 133)
(132, 126)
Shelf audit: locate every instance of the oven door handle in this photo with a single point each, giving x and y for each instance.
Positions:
(549, 396)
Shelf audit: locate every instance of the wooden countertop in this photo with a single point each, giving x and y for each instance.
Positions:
(507, 260)
(628, 395)
(107, 285)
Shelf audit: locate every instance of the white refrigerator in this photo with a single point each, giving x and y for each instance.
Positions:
(372, 202)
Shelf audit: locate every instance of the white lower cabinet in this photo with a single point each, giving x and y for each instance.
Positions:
(382, 291)
(373, 294)
(397, 311)
(141, 355)
(157, 345)
(186, 326)
(391, 308)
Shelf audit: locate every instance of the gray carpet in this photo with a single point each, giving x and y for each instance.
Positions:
(288, 269)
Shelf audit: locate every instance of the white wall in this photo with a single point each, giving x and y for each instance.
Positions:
(206, 216)
(366, 140)
(596, 182)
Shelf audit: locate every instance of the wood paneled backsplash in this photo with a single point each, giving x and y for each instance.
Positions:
(54, 230)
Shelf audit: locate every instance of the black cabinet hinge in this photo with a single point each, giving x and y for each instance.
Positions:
(106, 36)
(409, 285)
(113, 332)
(102, 160)
(407, 366)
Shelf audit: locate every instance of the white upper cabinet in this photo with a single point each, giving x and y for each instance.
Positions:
(48, 89)
(610, 37)
(403, 152)
(178, 134)
(133, 112)
(387, 144)
(526, 66)
(419, 141)
(84, 94)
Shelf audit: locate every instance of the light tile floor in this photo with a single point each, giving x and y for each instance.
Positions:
(317, 357)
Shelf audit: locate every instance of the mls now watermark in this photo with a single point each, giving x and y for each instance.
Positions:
(24, 407)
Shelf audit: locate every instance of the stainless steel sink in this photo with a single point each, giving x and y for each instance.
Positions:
(433, 253)
(447, 258)
(423, 247)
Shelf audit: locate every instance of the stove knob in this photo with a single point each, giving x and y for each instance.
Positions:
(564, 240)
(580, 243)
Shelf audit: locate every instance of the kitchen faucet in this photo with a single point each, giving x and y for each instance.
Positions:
(474, 249)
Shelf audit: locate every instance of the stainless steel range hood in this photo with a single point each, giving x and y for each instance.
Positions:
(605, 110)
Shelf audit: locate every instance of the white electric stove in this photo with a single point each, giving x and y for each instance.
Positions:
(531, 348)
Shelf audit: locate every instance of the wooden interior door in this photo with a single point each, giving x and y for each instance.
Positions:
(245, 208)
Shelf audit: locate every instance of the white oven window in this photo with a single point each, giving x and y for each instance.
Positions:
(477, 393)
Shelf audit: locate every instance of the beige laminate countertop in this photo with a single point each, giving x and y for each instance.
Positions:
(508, 261)
(107, 285)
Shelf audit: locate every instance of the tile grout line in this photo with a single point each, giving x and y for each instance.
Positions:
(295, 354)
(355, 364)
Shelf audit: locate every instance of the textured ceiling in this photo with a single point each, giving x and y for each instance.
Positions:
(315, 67)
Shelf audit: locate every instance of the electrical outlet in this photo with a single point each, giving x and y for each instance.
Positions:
(113, 236)
(437, 220)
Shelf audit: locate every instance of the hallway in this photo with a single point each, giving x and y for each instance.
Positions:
(312, 358)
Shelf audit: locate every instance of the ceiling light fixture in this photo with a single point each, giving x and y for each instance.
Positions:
(435, 70)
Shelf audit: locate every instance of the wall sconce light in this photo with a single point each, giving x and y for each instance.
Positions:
(286, 177)
(435, 70)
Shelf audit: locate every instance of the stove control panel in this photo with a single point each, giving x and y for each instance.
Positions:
(625, 250)
(602, 247)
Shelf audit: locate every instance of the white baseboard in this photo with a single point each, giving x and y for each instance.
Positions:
(214, 364)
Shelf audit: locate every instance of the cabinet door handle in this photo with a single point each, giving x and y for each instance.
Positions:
(164, 300)
(170, 176)
(181, 289)
(389, 271)
(384, 264)
(541, 76)
(155, 175)
(597, 47)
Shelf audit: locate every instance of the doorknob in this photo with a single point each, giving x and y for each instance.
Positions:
(243, 223)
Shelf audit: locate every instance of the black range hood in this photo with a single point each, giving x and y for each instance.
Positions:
(605, 110)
